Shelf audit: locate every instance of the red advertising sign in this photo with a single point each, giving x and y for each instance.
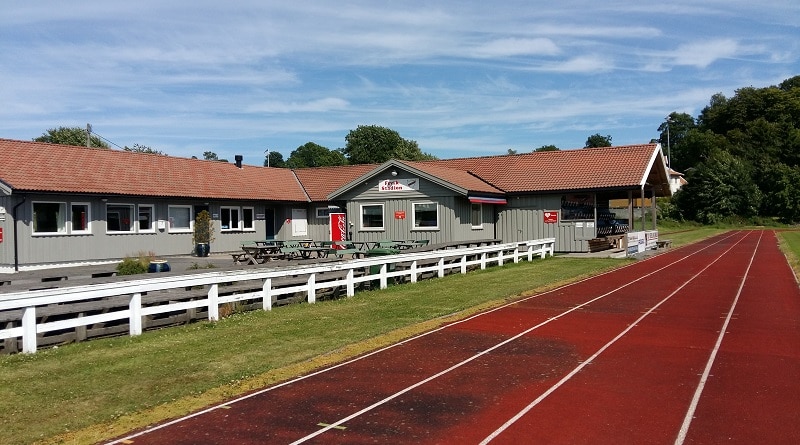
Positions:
(399, 214)
(550, 217)
(1, 234)
(338, 227)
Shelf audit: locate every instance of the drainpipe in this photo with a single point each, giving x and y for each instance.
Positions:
(16, 243)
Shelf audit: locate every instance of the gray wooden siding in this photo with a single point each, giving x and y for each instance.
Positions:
(523, 219)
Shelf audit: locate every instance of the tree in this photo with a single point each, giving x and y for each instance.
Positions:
(274, 159)
(673, 132)
(511, 151)
(211, 156)
(371, 144)
(719, 188)
(311, 154)
(70, 136)
(143, 149)
(598, 140)
(547, 148)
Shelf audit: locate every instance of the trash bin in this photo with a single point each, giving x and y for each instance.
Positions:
(376, 269)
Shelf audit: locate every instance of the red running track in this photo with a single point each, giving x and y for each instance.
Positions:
(700, 345)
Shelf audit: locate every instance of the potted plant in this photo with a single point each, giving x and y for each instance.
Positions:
(203, 233)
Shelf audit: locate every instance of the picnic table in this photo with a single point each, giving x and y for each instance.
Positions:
(258, 254)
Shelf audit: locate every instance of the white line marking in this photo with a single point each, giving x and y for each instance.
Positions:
(687, 421)
(577, 369)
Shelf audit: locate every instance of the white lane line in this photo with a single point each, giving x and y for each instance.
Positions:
(687, 421)
(577, 369)
(378, 351)
(509, 340)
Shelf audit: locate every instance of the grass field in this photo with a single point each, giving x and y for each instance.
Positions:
(790, 244)
(86, 392)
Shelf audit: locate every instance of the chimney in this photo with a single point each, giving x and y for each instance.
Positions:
(239, 160)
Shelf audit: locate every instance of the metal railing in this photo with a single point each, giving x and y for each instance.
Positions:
(20, 308)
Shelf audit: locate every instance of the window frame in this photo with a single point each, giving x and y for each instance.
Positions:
(152, 228)
(248, 224)
(230, 217)
(415, 226)
(61, 224)
(131, 213)
(171, 220)
(472, 213)
(71, 229)
(366, 228)
(325, 212)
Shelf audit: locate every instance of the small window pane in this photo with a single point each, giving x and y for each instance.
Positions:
(145, 218)
(49, 217)
(80, 217)
(426, 215)
(477, 215)
(119, 217)
(372, 216)
(247, 218)
(180, 218)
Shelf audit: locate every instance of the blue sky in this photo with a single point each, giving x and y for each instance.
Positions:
(462, 78)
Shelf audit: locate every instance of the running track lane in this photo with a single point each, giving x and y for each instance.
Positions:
(653, 323)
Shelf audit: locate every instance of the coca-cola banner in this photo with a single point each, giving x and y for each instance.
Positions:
(338, 227)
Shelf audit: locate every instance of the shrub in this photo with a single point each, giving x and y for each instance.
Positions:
(131, 266)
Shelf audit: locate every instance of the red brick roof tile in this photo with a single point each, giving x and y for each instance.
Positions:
(35, 166)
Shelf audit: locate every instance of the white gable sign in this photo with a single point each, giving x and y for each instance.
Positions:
(398, 185)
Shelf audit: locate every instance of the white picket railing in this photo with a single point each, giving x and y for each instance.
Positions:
(416, 263)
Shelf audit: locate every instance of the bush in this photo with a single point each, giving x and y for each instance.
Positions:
(131, 266)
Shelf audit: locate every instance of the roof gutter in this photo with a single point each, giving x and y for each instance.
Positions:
(16, 238)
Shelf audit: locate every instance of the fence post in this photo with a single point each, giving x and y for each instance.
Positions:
(29, 330)
(463, 264)
(441, 267)
(266, 295)
(414, 271)
(312, 291)
(351, 288)
(213, 302)
(384, 283)
(135, 307)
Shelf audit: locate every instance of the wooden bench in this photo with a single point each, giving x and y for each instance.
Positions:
(664, 243)
(240, 258)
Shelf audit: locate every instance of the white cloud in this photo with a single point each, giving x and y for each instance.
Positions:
(517, 47)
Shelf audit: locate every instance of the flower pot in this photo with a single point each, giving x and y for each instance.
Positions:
(158, 266)
(202, 249)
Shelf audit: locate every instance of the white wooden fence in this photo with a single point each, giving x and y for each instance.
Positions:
(413, 265)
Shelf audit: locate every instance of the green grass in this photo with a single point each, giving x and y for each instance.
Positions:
(90, 391)
(790, 244)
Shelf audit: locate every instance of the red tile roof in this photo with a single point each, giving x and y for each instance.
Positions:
(588, 168)
(35, 166)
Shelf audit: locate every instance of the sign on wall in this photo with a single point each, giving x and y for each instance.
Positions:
(399, 214)
(550, 217)
(398, 185)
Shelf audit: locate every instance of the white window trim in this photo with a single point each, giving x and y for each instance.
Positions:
(252, 227)
(361, 218)
(65, 227)
(414, 225)
(480, 226)
(153, 222)
(238, 221)
(71, 230)
(325, 212)
(133, 215)
(180, 229)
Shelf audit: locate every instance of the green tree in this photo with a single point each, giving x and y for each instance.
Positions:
(274, 159)
(547, 148)
(210, 156)
(371, 144)
(311, 154)
(142, 149)
(598, 140)
(70, 136)
(673, 132)
(718, 188)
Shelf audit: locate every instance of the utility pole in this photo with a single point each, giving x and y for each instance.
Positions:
(267, 153)
(669, 158)
(88, 135)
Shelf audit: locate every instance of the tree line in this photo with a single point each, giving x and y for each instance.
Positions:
(741, 156)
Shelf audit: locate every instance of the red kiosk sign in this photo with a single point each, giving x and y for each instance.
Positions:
(550, 217)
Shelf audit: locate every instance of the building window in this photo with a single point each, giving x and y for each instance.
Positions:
(146, 223)
(229, 218)
(180, 218)
(426, 215)
(325, 212)
(79, 217)
(49, 217)
(248, 218)
(119, 217)
(372, 217)
(476, 215)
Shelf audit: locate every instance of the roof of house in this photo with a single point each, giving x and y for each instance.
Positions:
(43, 167)
(588, 168)
(46, 167)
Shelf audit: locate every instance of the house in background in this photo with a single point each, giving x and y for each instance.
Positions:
(71, 205)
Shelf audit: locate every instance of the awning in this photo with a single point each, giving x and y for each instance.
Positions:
(486, 200)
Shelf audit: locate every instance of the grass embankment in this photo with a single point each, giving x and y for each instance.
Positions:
(87, 392)
(790, 244)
